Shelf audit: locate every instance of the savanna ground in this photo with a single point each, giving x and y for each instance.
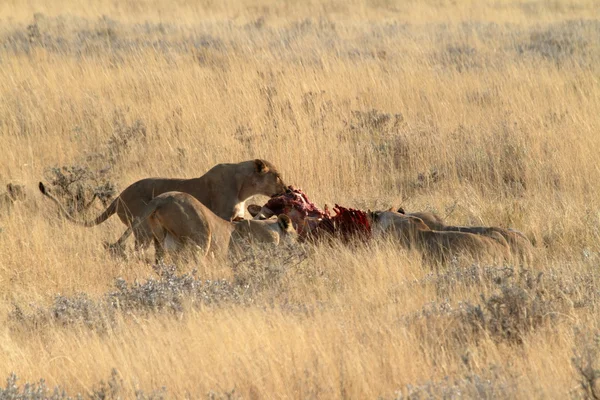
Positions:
(487, 113)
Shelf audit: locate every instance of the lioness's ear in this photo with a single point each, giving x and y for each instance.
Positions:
(254, 209)
(264, 213)
(285, 223)
(401, 210)
(261, 167)
(10, 188)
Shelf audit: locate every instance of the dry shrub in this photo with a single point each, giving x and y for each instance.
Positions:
(263, 267)
(586, 362)
(521, 304)
(124, 145)
(319, 109)
(170, 293)
(455, 276)
(563, 43)
(490, 383)
(257, 271)
(226, 395)
(379, 135)
(112, 389)
(124, 139)
(78, 186)
(518, 309)
(93, 178)
(461, 57)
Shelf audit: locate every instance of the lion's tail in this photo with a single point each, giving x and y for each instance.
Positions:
(112, 208)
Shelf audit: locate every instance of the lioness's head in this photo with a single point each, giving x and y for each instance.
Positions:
(16, 192)
(285, 224)
(379, 221)
(382, 221)
(415, 224)
(266, 179)
(286, 229)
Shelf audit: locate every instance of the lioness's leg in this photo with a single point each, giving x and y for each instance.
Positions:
(142, 232)
(159, 251)
(158, 234)
(143, 235)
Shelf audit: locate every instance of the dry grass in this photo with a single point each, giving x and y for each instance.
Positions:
(485, 112)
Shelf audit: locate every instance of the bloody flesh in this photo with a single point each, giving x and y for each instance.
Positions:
(294, 199)
(346, 223)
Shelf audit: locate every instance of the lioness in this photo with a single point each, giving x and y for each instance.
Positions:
(223, 189)
(439, 246)
(13, 194)
(178, 220)
(519, 244)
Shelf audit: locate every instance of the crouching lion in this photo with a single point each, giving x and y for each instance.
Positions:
(178, 222)
(223, 189)
(519, 244)
(439, 246)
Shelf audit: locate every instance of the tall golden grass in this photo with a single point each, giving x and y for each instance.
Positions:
(487, 113)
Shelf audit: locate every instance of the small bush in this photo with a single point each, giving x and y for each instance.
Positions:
(489, 384)
(112, 389)
(78, 186)
(91, 177)
(124, 138)
(586, 361)
(522, 303)
(170, 293)
(378, 134)
(261, 267)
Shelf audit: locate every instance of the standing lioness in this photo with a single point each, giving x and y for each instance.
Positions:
(223, 189)
(179, 221)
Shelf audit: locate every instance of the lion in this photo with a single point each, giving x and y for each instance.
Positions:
(13, 194)
(178, 221)
(519, 244)
(223, 189)
(439, 246)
